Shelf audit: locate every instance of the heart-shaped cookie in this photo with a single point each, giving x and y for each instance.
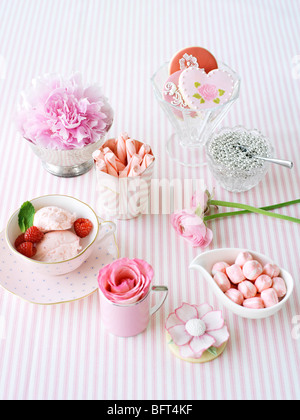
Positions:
(201, 90)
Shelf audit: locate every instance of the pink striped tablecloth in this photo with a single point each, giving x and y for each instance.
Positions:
(62, 351)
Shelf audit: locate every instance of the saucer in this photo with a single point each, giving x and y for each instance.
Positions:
(48, 290)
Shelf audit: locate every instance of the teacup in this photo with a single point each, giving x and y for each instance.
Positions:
(82, 210)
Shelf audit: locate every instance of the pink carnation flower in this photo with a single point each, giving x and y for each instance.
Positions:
(192, 228)
(59, 113)
(196, 328)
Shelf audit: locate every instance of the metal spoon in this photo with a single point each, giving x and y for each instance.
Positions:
(285, 163)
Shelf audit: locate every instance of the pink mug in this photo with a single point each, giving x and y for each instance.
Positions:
(129, 320)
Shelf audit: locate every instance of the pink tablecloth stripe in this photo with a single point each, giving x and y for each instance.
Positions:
(62, 351)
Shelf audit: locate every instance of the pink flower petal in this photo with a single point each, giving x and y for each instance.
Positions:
(201, 343)
(203, 309)
(213, 320)
(186, 352)
(172, 320)
(221, 335)
(186, 312)
(179, 335)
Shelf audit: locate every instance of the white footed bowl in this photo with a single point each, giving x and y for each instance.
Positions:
(73, 205)
(204, 263)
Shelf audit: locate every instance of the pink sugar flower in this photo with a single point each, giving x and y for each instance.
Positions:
(63, 114)
(192, 228)
(196, 328)
(208, 92)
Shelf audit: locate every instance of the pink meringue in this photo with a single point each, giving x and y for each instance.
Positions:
(235, 273)
(222, 281)
(263, 282)
(219, 266)
(247, 289)
(271, 270)
(279, 286)
(254, 303)
(242, 258)
(269, 297)
(252, 269)
(235, 295)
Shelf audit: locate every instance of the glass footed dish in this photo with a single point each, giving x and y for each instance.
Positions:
(192, 128)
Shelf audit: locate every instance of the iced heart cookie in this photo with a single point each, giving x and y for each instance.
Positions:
(193, 57)
(171, 93)
(196, 333)
(201, 91)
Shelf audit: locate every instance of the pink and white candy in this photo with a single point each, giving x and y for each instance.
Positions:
(222, 281)
(235, 273)
(252, 269)
(235, 295)
(247, 289)
(242, 258)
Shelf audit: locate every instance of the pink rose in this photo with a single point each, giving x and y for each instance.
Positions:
(208, 92)
(59, 113)
(125, 280)
(192, 228)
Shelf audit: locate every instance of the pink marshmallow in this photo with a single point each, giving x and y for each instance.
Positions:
(271, 270)
(222, 281)
(254, 303)
(252, 269)
(263, 282)
(247, 289)
(279, 286)
(235, 295)
(235, 273)
(219, 266)
(269, 297)
(242, 258)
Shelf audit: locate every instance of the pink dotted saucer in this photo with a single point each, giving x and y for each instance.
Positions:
(49, 290)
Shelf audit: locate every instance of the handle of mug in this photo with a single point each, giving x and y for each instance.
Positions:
(163, 289)
(106, 223)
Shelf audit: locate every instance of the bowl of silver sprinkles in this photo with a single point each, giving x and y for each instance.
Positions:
(231, 157)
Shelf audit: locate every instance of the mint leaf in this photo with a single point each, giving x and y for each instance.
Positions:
(25, 216)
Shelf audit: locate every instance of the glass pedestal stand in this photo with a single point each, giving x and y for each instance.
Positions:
(192, 128)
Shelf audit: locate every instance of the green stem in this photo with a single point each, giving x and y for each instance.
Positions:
(253, 210)
(236, 213)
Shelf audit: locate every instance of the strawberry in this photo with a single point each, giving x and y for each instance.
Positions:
(20, 239)
(27, 249)
(83, 227)
(33, 234)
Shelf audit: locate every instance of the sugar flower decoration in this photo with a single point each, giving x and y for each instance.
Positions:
(188, 61)
(196, 328)
(63, 114)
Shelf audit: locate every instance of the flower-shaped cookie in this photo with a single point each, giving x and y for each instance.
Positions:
(195, 329)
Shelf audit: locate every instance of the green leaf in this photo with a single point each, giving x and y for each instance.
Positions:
(25, 216)
(212, 350)
(217, 100)
(197, 95)
(202, 101)
(221, 92)
(197, 84)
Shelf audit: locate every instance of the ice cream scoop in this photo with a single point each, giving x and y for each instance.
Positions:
(58, 246)
(53, 218)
